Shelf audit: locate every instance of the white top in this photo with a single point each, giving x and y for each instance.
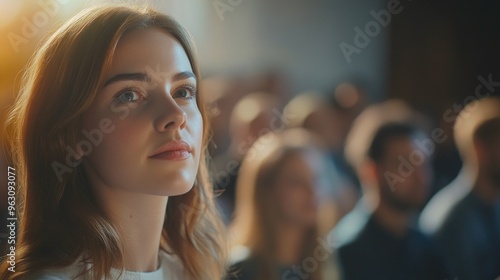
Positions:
(170, 269)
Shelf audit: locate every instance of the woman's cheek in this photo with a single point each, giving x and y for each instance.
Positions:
(195, 126)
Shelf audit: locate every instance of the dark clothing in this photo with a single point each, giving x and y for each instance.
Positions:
(244, 270)
(317, 266)
(468, 231)
(249, 270)
(365, 250)
(224, 170)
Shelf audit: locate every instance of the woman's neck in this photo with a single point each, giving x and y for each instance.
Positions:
(139, 219)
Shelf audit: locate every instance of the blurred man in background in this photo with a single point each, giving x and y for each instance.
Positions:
(376, 240)
(464, 217)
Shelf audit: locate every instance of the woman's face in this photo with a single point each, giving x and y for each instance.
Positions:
(145, 125)
(296, 189)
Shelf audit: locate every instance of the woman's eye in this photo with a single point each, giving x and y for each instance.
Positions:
(128, 96)
(186, 93)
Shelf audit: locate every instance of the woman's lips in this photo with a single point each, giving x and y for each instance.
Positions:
(173, 150)
(173, 155)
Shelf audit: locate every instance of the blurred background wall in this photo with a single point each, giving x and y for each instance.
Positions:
(299, 39)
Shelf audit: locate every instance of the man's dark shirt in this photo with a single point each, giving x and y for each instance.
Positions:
(365, 250)
(467, 229)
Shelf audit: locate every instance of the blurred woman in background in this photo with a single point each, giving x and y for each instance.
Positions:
(275, 227)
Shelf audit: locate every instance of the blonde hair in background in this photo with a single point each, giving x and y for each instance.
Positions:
(472, 116)
(60, 219)
(254, 218)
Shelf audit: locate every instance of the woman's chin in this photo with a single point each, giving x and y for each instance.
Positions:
(173, 189)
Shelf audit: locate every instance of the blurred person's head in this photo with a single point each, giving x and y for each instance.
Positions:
(385, 147)
(349, 97)
(476, 133)
(487, 146)
(277, 189)
(222, 93)
(269, 80)
(311, 111)
(251, 118)
(399, 181)
(346, 103)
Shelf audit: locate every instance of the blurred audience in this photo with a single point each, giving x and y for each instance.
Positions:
(222, 92)
(314, 112)
(377, 240)
(275, 228)
(464, 217)
(253, 115)
(220, 95)
(346, 103)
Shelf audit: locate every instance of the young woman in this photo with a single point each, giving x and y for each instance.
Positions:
(110, 152)
(275, 227)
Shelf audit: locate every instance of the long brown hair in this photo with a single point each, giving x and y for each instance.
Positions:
(254, 221)
(60, 219)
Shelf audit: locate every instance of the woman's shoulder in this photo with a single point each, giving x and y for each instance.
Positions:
(68, 273)
(48, 276)
(171, 267)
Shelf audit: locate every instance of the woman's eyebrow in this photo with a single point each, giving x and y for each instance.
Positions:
(128, 77)
(183, 75)
(145, 77)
